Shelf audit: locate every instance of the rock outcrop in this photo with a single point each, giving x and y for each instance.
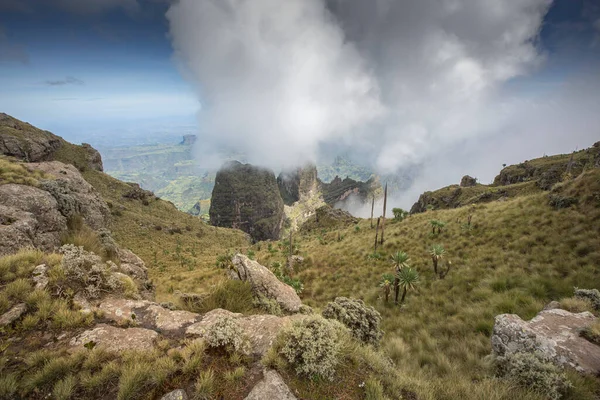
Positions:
(247, 198)
(554, 334)
(261, 330)
(271, 386)
(468, 181)
(265, 283)
(116, 339)
(23, 141)
(13, 314)
(328, 218)
(298, 184)
(74, 195)
(31, 218)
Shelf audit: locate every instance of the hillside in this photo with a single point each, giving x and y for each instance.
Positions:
(529, 177)
(510, 256)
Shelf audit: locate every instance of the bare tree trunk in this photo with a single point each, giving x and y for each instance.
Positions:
(384, 207)
(372, 209)
(376, 234)
(403, 295)
(435, 265)
(396, 290)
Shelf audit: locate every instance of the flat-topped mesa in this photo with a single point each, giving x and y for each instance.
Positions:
(247, 197)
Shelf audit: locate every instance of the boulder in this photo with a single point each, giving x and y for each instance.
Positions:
(468, 181)
(13, 314)
(93, 157)
(265, 283)
(271, 386)
(116, 339)
(40, 276)
(132, 265)
(178, 394)
(260, 329)
(554, 334)
(74, 195)
(247, 198)
(31, 218)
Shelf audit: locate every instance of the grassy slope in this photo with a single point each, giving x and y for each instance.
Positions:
(180, 261)
(520, 254)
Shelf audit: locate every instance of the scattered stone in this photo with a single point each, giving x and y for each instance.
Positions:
(40, 277)
(265, 283)
(117, 339)
(552, 333)
(178, 394)
(84, 305)
(13, 314)
(167, 320)
(552, 305)
(122, 310)
(271, 386)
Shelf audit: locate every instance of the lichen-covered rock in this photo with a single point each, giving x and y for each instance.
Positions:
(264, 282)
(132, 265)
(247, 198)
(74, 195)
(554, 334)
(591, 295)
(116, 339)
(93, 157)
(178, 394)
(13, 314)
(271, 386)
(40, 276)
(261, 330)
(31, 218)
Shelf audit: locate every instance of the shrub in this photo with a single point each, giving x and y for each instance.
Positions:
(576, 304)
(270, 306)
(592, 333)
(312, 346)
(531, 371)
(228, 334)
(362, 320)
(592, 295)
(559, 202)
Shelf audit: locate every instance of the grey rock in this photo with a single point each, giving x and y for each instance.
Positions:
(552, 305)
(23, 141)
(261, 330)
(178, 394)
(554, 334)
(116, 339)
(271, 386)
(93, 157)
(468, 181)
(40, 276)
(265, 283)
(13, 314)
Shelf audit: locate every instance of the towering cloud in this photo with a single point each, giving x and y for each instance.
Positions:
(399, 82)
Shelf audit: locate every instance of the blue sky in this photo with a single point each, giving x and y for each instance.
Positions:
(82, 69)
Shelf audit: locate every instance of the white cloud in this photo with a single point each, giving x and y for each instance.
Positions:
(400, 79)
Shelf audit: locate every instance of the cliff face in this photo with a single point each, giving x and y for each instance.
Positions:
(247, 198)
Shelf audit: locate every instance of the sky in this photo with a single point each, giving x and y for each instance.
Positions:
(444, 87)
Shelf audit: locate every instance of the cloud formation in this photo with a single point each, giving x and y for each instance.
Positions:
(69, 80)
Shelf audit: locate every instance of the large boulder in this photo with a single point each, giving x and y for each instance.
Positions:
(74, 195)
(468, 181)
(264, 283)
(261, 330)
(30, 217)
(271, 386)
(247, 198)
(553, 334)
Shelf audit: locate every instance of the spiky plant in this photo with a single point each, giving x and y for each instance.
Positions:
(386, 284)
(400, 261)
(437, 253)
(408, 279)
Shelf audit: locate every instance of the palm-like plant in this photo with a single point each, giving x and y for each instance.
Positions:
(437, 253)
(400, 260)
(386, 285)
(434, 225)
(408, 278)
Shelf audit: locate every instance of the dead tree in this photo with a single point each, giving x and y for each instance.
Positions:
(384, 207)
(376, 234)
(372, 209)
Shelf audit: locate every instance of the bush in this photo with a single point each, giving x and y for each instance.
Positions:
(312, 346)
(531, 371)
(228, 334)
(559, 202)
(362, 320)
(592, 295)
(592, 333)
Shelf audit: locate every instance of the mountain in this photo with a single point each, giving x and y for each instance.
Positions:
(107, 291)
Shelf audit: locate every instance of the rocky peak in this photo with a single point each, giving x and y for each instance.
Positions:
(247, 197)
(468, 181)
(298, 184)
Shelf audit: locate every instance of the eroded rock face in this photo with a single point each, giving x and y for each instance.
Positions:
(247, 198)
(271, 386)
(30, 219)
(116, 339)
(260, 329)
(94, 159)
(74, 194)
(554, 334)
(265, 283)
(468, 181)
(21, 140)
